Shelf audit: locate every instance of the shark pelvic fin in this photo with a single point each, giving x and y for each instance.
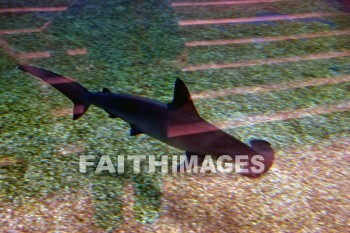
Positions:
(134, 130)
(182, 98)
(105, 90)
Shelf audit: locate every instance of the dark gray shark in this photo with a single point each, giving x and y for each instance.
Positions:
(177, 124)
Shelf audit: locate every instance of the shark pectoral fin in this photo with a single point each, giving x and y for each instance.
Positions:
(105, 90)
(192, 160)
(111, 115)
(134, 130)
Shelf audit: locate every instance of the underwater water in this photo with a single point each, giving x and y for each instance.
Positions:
(275, 70)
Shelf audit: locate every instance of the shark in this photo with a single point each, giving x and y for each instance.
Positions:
(177, 124)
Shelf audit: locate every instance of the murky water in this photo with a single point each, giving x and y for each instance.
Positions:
(266, 69)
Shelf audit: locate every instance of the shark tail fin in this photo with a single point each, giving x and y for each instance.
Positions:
(78, 94)
(79, 109)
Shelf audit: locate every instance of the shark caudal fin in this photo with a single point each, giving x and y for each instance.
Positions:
(73, 90)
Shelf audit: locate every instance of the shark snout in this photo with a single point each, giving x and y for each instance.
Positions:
(264, 161)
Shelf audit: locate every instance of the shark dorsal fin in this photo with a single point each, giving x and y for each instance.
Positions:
(105, 90)
(182, 98)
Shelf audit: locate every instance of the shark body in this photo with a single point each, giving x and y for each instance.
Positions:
(177, 124)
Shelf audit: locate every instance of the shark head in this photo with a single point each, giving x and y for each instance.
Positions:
(264, 149)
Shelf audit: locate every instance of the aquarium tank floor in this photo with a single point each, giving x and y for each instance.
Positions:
(272, 69)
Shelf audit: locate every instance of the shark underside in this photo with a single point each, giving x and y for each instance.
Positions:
(177, 124)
